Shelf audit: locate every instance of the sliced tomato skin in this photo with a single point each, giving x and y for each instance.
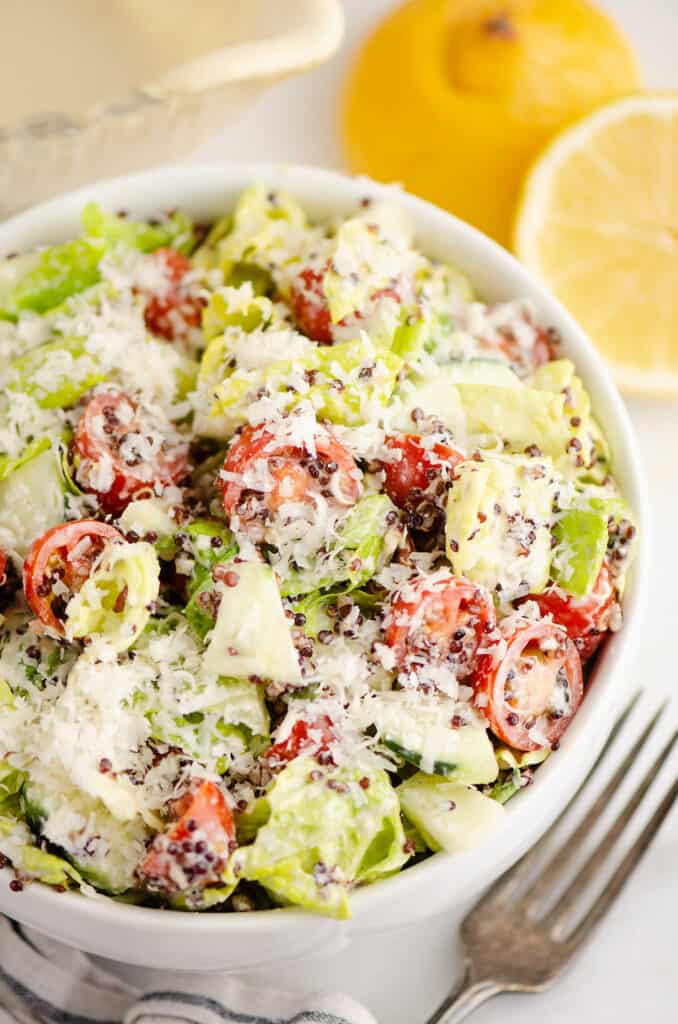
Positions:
(56, 544)
(192, 852)
(417, 468)
(305, 737)
(421, 626)
(309, 306)
(506, 720)
(585, 619)
(94, 443)
(293, 481)
(172, 314)
(543, 350)
(3, 568)
(311, 311)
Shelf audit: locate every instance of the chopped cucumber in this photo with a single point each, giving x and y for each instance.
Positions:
(449, 815)
(148, 515)
(104, 849)
(32, 499)
(251, 636)
(422, 733)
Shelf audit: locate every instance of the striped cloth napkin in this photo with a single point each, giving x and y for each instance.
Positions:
(41, 980)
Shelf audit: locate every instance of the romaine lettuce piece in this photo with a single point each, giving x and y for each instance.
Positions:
(514, 768)
(581, 542)
(409, 338)
(449, 815)
(363, 263)
(41, 280)
(203, 899)
(364, 540)
(444, 290)
(209, 543)
(115, 601)
(252, 636)
(234, 721)
(313, 606)
(327, 831)
(258, 229)
(28, 661)
(437, 395)
(588, 455)
(57, 373)
(622, 531)
(175, 231)
(17, 844)
(498, 527)
(8, 465)
(148, 515)
(483, 402)
(355, 380)
(349, 383)
(521, 417)
(11, 784)
(32, 497)
(203, 606)
(251, 819)
(233, 307)
(239, 272)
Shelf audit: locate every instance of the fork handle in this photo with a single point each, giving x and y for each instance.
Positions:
(465, 997)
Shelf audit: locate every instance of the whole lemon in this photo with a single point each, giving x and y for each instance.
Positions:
(455, 98)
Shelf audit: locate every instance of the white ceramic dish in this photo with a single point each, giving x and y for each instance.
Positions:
(150, 81)
(157, 938)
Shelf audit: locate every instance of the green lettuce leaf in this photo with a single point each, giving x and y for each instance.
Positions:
(327, 831)
(357, 553)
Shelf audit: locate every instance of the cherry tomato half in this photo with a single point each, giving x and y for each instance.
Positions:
(524, 359)
(586, 619)
(176, 310)
(58, 564)
(125, 452)
(417, 467)
(438, 619)
(192, 853)
(311, 311)
(309, 305)
(531, 692)
(306, 737)
(271, 474)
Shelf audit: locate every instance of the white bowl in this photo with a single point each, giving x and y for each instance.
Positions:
(157, 938)
(146, 91)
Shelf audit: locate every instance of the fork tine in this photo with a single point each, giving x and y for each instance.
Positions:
(543, 884)
(561, 912)
(624, 871)
(516, 874)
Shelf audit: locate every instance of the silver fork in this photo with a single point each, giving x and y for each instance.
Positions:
(513, 940)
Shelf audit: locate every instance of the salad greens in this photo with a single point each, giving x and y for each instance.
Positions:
(305, 552)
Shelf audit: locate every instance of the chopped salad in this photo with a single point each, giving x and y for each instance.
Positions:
(305, 552)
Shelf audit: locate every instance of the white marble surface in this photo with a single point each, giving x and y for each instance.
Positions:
(630, 971)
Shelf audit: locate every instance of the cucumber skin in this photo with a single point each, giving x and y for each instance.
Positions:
(439, 767)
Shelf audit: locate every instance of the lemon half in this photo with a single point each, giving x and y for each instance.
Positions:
(598, 222)
(456, 98)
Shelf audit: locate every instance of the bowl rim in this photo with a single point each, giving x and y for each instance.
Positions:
(198, 185)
